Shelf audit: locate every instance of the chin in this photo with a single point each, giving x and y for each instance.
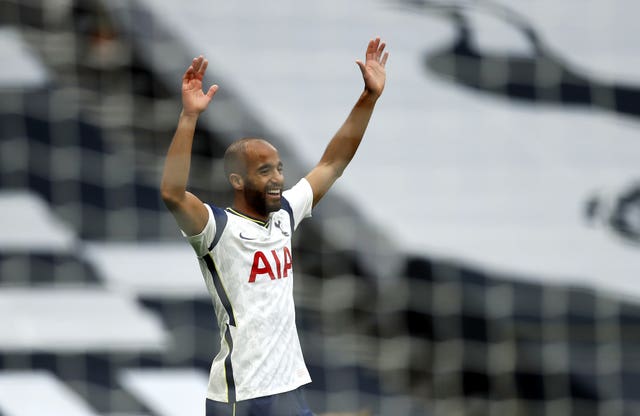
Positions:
(276, 206)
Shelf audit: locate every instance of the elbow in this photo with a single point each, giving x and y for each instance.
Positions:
(332, 170)
(337, 169)
(171, 198)
(337, 172)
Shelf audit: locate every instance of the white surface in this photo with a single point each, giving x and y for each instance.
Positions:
(38, 393)
(169, 270)
(76, 319)
(476, 178)
(27, 224)
(168, 392)
(20, 66)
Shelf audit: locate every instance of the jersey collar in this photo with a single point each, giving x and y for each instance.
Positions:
(247, 217)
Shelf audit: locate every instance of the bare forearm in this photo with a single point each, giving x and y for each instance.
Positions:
(178, 161)
(345, 142)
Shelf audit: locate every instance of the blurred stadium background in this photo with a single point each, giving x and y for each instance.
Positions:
(479, 257)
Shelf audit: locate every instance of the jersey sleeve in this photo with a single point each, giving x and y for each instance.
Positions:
(300, 198)
(201, 242)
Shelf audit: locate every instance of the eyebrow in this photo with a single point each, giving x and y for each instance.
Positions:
(269, 165)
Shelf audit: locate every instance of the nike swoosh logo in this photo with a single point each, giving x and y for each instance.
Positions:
(246, 238)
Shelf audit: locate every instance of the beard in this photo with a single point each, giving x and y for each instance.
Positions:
(257, 199)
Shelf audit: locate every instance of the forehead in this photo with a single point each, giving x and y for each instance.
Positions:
(260, 152)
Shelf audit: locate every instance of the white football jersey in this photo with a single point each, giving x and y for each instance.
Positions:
(247, 267)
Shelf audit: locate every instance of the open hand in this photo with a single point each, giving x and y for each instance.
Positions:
(372, 69)
(194, 100)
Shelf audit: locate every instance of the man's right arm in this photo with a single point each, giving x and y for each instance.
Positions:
(188, 210)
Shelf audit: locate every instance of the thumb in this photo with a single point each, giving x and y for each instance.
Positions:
(361, 66)
(212, 91)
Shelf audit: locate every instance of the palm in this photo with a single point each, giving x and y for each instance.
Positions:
(372, 69)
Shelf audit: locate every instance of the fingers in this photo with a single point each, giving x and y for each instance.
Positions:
(380, 49)
(197, 63)
(197, 68)
(372, 48)
(203, 66)
(383, 62)
(212, 91)
(188, 73)
(361, 66)
(375, 50)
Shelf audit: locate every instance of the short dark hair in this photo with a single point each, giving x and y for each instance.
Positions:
(235, 156)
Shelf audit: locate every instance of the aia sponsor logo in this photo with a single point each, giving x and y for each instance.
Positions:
(274, 264)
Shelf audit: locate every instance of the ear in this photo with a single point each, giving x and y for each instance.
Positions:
(236, 181)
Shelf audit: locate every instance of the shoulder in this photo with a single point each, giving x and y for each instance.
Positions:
(301, 189)
(298, 201)
(210, 235)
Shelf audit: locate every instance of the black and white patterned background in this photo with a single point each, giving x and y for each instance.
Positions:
(477, 257)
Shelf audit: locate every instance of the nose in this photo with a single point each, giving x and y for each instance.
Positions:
(278, 176)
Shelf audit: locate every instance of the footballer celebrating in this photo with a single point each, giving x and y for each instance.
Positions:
(244, 250)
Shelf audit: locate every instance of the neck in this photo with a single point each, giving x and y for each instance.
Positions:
(243, 208)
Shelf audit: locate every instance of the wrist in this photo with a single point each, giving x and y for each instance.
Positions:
(368, 96)
(189, 115)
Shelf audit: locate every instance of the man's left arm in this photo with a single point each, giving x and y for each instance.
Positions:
(345, 142)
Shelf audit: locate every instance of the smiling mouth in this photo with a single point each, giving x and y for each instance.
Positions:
(274, 193)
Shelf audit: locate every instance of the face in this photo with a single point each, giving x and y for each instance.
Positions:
(263, 180)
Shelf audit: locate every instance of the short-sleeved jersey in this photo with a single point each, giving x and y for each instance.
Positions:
(248, 271)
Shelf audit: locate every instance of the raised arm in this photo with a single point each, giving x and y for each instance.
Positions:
(345, 142)
(188, 210)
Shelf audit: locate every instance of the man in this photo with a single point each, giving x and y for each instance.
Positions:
(245, 250)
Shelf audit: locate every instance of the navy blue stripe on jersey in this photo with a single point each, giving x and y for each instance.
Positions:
(228, 368)
(221, 221)
(287, 207)
(217, 283)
